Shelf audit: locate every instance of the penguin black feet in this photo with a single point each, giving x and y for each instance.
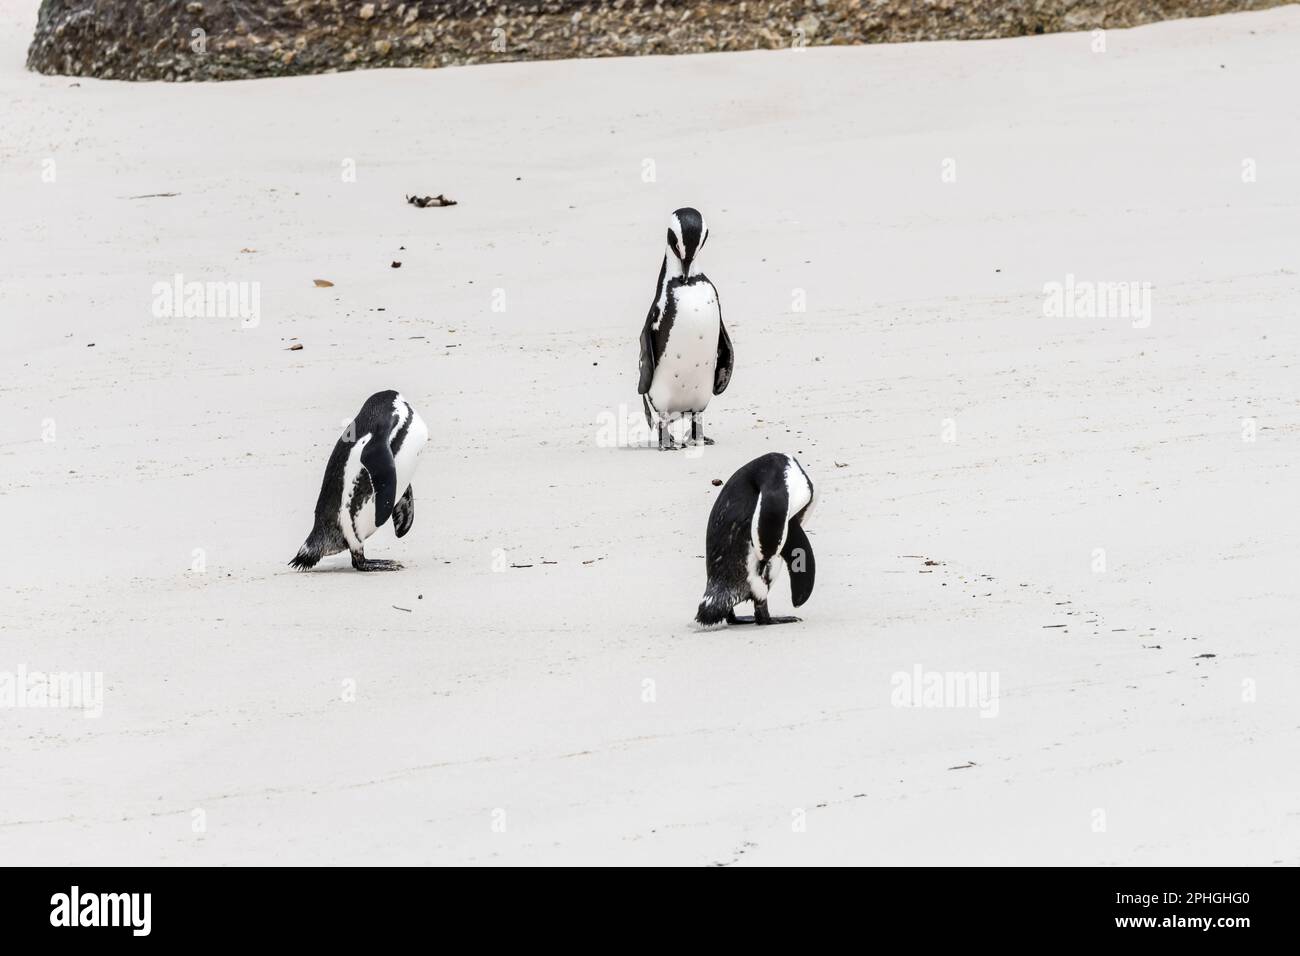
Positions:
(695, 436)
(361, 563)
(666, 440)
(697, 430)
(761, 616)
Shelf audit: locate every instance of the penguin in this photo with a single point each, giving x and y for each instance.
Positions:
(757, 522)
(686, 355)
(372, 463)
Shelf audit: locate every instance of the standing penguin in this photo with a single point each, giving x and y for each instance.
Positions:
(686, 354)
(371, 464)
(758, 516)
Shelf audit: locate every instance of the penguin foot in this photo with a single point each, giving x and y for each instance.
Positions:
(761, 617)
(666, 440)
(374, 564)
(697, 431)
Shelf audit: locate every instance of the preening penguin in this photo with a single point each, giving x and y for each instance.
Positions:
(372, 463)
(686, 355)
(755, 526)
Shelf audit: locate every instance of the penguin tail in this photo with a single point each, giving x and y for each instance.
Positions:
(307, 555)
(325, 539)
(714, 607)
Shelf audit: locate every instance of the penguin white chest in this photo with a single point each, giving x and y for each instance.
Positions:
(683, 379)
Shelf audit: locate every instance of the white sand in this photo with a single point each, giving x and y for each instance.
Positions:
(521, 690)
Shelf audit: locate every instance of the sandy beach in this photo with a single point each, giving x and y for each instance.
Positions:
(1092, 512)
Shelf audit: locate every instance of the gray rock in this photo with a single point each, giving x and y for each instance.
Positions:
(237, 39)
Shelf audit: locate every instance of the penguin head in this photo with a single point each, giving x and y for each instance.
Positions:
(687, 233)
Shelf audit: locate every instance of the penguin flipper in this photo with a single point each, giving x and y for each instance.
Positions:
(648, 351)
(648, 335)
(378, 460)
(404, 513)
(798, 555)
(726, 359)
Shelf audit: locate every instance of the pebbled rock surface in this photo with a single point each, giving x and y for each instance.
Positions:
(238, 39)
